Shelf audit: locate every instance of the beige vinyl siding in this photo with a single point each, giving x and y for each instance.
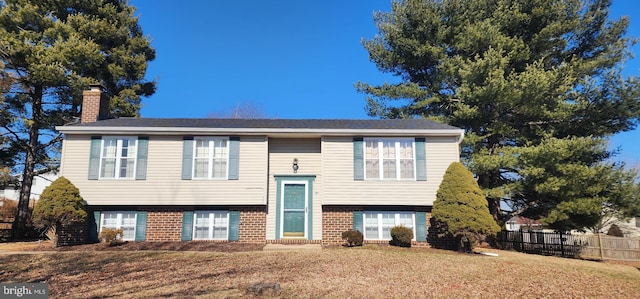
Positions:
(282, 151)
(163, 184)
(341, 189)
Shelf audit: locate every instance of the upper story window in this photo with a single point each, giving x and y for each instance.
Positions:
(210, 158)
(118, 157)
(389, 159)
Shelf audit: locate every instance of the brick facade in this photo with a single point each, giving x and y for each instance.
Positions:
(253, 224)
(337, 219)
(164, 225)
(72, 235)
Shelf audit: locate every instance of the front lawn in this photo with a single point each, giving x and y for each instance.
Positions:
(370, 271)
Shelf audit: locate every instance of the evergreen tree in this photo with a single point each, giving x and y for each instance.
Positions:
(7, 153)
(60, 205)
(514, 74)
(461, 206)
(52, 51)
(565, 182)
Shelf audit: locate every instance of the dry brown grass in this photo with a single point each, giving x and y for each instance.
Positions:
(25, 246)
(132, 246)
(367, 272)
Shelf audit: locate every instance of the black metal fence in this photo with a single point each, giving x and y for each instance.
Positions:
(544, 243)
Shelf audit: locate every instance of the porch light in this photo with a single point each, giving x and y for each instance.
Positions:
(295, 165)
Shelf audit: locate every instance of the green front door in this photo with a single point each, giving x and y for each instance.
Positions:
(294, 211)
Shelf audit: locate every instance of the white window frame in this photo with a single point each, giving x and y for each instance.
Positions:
(511, 225)
(118, 157)
(211, 158)
(211, 226)
(380, 226)
(119, 220)
(398, 159)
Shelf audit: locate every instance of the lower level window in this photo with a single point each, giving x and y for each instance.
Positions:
(123, 220)
(211, 225)
(377, 225)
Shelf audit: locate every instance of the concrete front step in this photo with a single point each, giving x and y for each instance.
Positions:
(289, 247)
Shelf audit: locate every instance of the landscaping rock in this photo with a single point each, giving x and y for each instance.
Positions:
(262, 288)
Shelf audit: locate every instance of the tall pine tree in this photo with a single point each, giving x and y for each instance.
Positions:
(515, 74)
(53, 50)
(6, 151)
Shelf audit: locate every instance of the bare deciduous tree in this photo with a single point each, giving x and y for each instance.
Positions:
(245, 110)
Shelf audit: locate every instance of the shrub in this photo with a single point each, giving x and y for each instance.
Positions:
(401, 236)
(462, 208)
(353, 237)
(615, 231)
(60, 205)
(111, 237)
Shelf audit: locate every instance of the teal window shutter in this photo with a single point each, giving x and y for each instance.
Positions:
(187, 158)
(234, 157)
(358, 159)
(94, 157)
(141, 226)
(94, 227)
(234, 225)
(357, 222)
(421, 160)
(141, 167)
(421, 226)
(187, 226)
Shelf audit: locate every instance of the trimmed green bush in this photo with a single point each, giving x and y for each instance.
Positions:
(401, 236)
(462, 208)
(60, 205)
(353, 237)
(110, 236)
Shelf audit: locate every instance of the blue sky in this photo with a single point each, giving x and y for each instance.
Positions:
(293, 59)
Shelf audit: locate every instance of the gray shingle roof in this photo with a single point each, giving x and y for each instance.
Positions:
(353, 124)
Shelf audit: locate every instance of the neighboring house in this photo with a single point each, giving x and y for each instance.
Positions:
(517, 223)
(633, 227)
(40, 182)
(256, 180)
(630, 228)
